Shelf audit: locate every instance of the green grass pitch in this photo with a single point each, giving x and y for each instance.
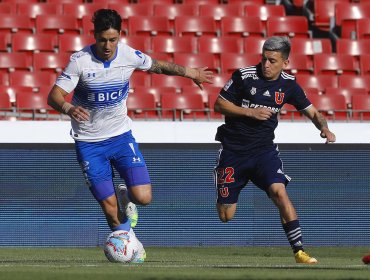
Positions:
(184, 263)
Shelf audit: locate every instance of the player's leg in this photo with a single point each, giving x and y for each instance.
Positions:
(229, 181)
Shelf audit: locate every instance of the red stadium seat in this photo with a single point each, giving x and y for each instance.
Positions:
(34, 79)
(69, 43)
(310, 46)
(232, 61)
(4, 42)
(10, 23)
(195, 26)
(57, 24)
(292, 26)
(162, 56)
(87, 26)
(183, 106)
(52, 62)
(349, 81)
(242, 27)
(264, 11)
(142, 43)
(334, 64)
(32, 10)
(148, 25)
(347, 93)
(127, 11)
(201, 2)
(319, 82)
(221, 10)
(32, 106)
(172, 45)
(140, 78)
(13, 91)
(323, 12)
(253, 45)
(157, 2)
(346, 15)
(79, 10)
(333, 107)
(205, 93)
(299, 63)
(197, 60)
(175, 10)
(220, 45)
(8, 8)
(6, 107)
(142, 106)
(10, 62)
(363, 28)
(155, 91)
(34, 43)
(365, 64)
(361, 107)
(219, 80)
(290, 113)
(4, 78)
(170, 81)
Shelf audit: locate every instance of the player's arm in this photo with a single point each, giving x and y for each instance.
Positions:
(228, 108)
(320, 122)
(198, 75)
(56, 100)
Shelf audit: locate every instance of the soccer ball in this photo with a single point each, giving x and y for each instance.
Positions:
(120, 247)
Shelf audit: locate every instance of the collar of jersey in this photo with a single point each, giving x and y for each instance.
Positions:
(106, 63)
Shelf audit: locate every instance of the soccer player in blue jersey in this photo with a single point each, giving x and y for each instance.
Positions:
(251, 101)
(99, 76)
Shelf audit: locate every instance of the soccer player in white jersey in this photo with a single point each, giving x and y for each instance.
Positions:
(99, 75)
(250, 101)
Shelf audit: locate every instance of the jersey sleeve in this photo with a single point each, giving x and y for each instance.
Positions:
(231, 89)
(299, 98)
(139, 59)
(68, 79)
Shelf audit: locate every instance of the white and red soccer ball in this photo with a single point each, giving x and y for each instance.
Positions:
(120, 247)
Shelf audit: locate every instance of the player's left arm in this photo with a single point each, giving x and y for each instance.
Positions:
(198, 75)
(320, 122)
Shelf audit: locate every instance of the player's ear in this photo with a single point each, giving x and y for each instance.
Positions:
(285, 63)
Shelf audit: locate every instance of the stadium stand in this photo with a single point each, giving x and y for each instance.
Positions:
(361, 107)
(242, 27)
(291, 26)
(195, 26)
(57, 24)
(142, 105)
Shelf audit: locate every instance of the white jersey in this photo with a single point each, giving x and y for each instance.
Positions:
(101, 87)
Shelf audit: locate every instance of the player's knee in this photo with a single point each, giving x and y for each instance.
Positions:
(143, 199)
(225, 217)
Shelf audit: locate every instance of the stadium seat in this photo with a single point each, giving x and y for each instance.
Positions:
(232, 61)
(162, 56)
(323, 11)
(355, 48)
(157, 2)
(346, 15)
(57, 24)
(253, 45)
(52, 62)
(148, 25)
(13, 91)
(4, 78)
(195, 26)
(142, 43)
(10, 62)
(346, 92)
(34, 43)
(172, 45)
(183, 107)
(127, 11)
(155, 91)
(219, 11)
(140, 78)
(69, 43)
(201, 2)
(290, 113)
(32, 106)
(170, 81)
(310, 46)
(32, 10)
(333, 107)
(292, 26)
(242, 27)
(219, 80)
(8, 8)
(4, 42)
(175, 10)
(142, 106)
(205, 93)
(64, 1)
(35, 79)
(264, 11)
(361, 107)
(6, 107)
(10, 23)
(79, 10)
(334, 64)
(320, 82)
(349, 81)
(197, 60)
(87, 26)
(220, 45)
(365, 64)
(363, 28)
(299, 63)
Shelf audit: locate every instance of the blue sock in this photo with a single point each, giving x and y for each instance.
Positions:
(125, 225)
(294, 234)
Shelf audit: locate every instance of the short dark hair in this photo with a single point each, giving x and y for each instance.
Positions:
(278, 44)
(105, 19)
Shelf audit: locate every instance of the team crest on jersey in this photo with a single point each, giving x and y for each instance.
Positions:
(279, 97)
(253, 91)
(245, 103)
(224, 192)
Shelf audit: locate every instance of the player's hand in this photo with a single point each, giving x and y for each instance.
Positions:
(330, 136)
(261, 113)
(79, 114)
(202, 75)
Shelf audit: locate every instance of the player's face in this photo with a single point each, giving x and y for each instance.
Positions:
(272, 64)
(106, 43)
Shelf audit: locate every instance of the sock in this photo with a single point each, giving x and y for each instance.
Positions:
(294, 234)
(125, 225)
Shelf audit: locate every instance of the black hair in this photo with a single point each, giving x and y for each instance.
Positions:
(105, 19)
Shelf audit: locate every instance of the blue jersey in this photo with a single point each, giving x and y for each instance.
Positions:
(248, 89)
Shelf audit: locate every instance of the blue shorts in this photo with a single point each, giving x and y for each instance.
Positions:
(97, 158)
(234, 170)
